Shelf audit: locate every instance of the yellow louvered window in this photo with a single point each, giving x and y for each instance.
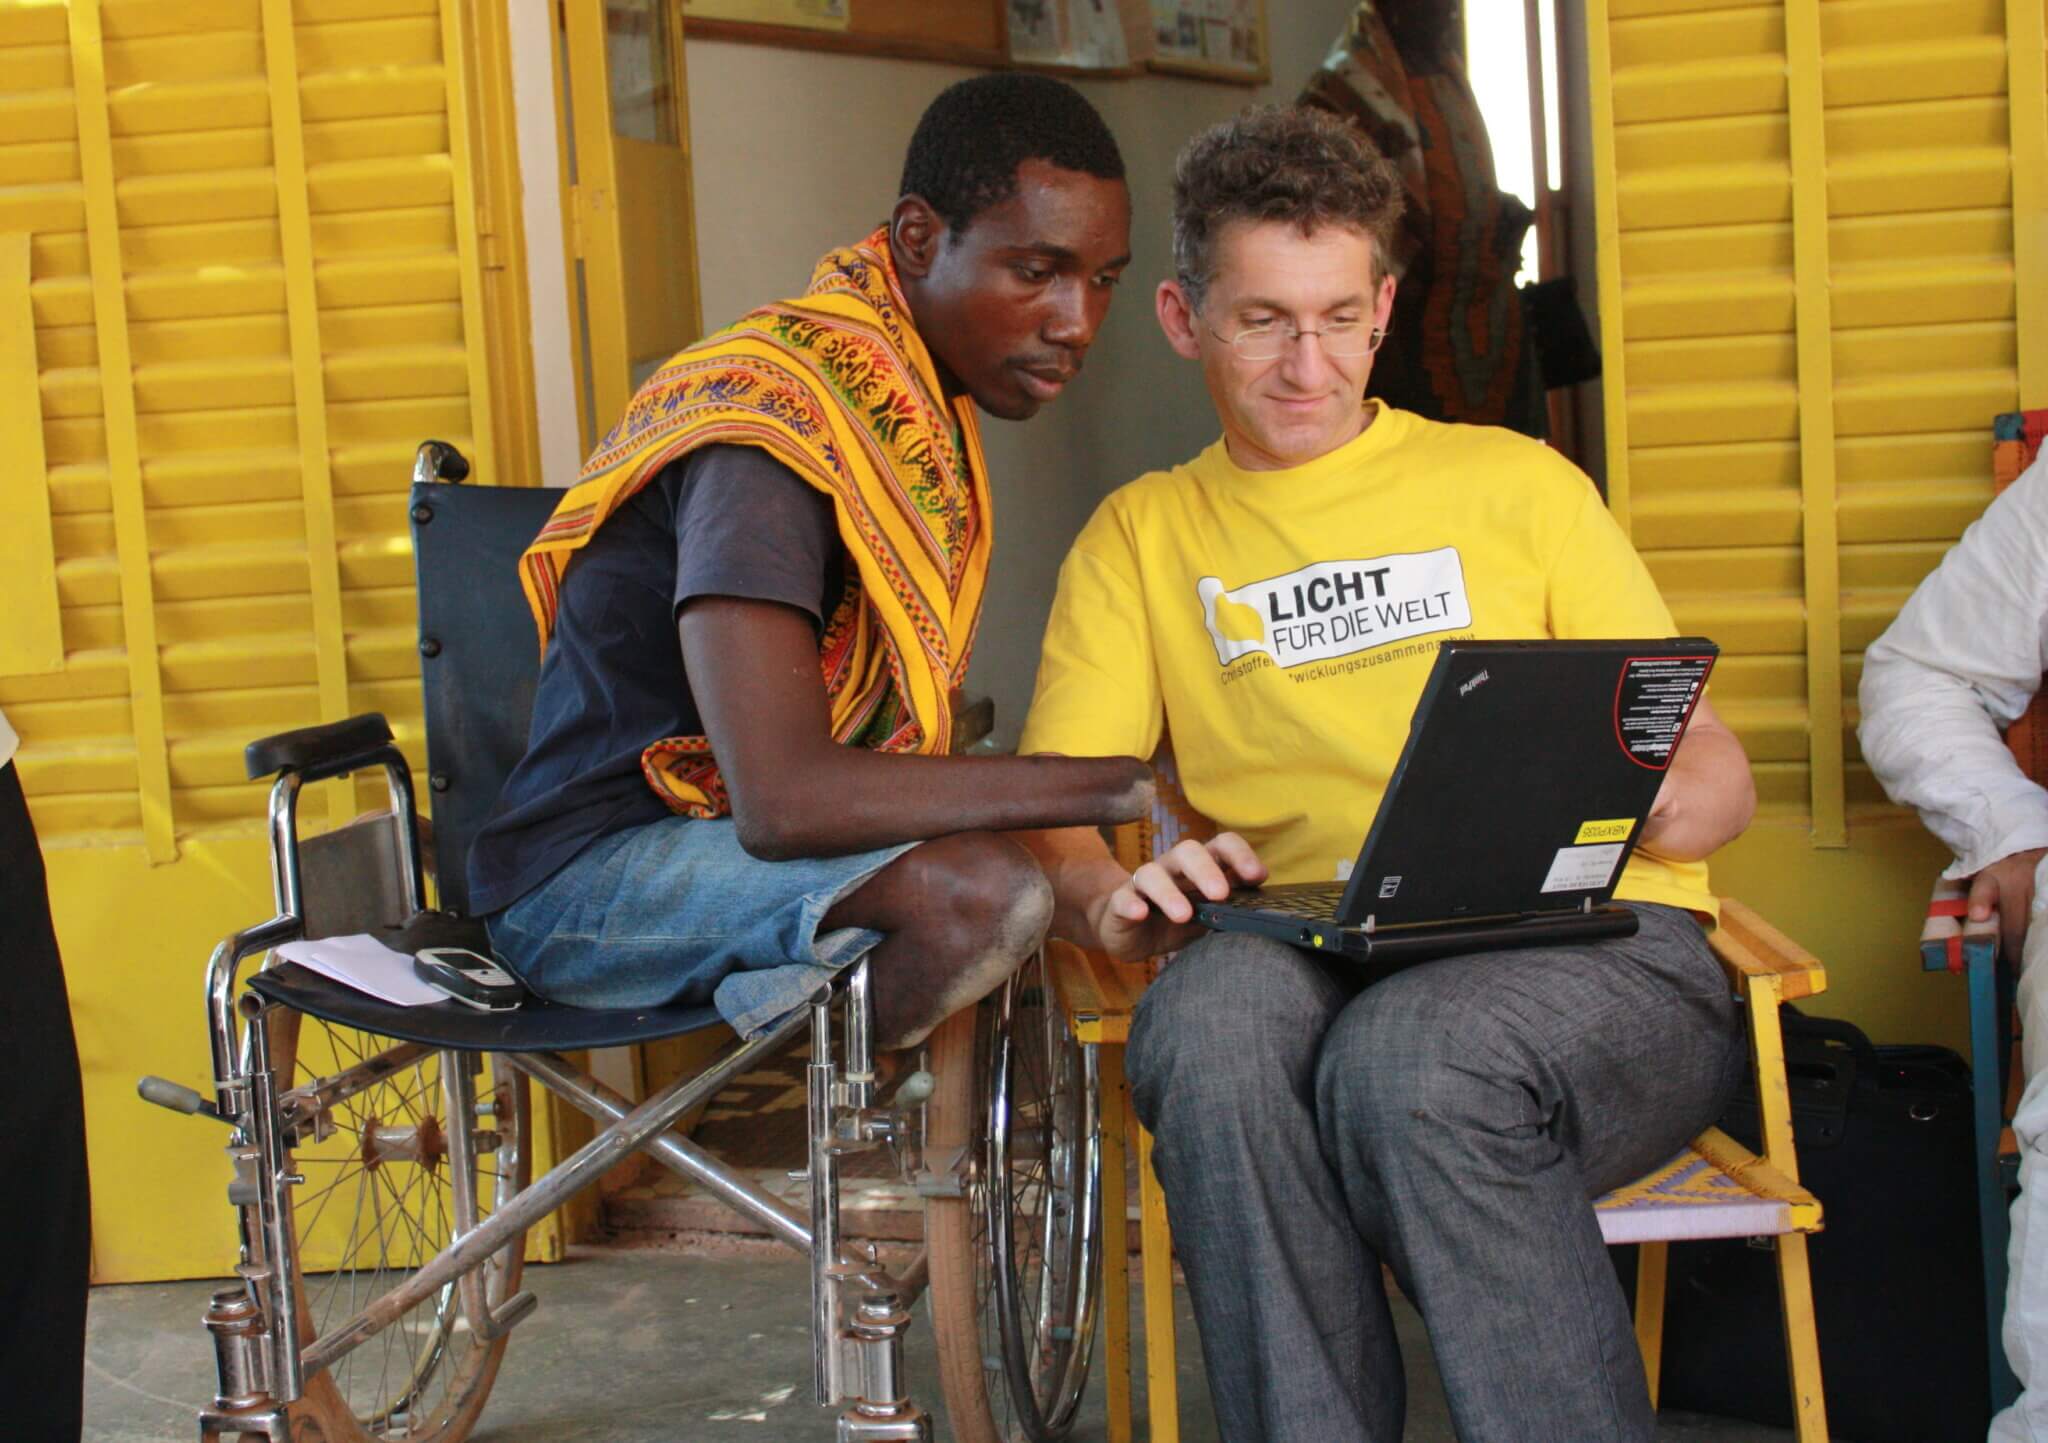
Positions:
(1814, 300)
(251, 266)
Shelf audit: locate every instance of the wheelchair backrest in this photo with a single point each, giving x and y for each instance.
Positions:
(479, 655)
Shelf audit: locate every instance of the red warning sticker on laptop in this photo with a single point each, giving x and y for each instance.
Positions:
(1653, 701)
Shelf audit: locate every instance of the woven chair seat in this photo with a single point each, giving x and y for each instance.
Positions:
(1716, 1188)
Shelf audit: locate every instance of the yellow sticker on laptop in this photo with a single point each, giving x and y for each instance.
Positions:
(1615, 830)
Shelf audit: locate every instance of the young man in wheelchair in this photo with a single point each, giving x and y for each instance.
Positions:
(1454, 1121)
(757, 607)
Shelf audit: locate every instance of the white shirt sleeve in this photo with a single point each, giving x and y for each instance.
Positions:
(1962, 661)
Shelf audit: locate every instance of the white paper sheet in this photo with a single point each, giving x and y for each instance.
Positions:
(362, 962)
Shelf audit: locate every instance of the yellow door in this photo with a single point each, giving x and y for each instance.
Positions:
(240, 279)
(631, 244)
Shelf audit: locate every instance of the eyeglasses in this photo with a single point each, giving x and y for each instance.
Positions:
(1270, 342)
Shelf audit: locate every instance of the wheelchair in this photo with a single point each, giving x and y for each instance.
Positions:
(381, 1167)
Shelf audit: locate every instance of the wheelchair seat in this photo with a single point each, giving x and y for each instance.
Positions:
(537, 1025)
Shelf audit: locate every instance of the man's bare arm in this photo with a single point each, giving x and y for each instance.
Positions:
(1708, 796)
(753, 667)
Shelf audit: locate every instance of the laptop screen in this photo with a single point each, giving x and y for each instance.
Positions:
(1529, 771)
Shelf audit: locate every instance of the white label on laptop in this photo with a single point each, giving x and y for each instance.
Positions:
(1582, 869)
(1334, 608)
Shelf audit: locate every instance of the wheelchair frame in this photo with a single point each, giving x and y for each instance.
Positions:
(859, 1309)
(1037, 1338)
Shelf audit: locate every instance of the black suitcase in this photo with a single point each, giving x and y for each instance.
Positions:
(1885, 1142)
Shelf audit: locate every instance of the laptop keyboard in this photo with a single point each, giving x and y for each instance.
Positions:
(1318, 902)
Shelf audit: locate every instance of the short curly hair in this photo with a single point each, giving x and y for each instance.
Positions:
(965, 152)
(1286, 163)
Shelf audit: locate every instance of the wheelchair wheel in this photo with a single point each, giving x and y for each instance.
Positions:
(1015, 1260)
(372, 1119)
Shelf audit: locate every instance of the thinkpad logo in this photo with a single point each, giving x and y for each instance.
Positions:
(1477, 681)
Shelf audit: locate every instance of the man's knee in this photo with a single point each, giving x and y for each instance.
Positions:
(1232, 1018)
(979, 893)
(1401, 1065)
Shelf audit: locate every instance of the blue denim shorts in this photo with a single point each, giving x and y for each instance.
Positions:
(677, 912)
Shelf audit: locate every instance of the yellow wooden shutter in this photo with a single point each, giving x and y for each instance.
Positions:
(253, 277)
(244, 235)
(1813, 301)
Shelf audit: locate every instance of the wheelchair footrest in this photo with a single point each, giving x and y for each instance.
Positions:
(517, 1309)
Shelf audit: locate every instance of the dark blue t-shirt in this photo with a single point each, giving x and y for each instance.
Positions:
(723, 521)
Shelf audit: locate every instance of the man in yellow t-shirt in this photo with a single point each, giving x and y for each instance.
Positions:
(1271, 608)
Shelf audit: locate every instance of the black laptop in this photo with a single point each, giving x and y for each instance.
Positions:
(1528, 775)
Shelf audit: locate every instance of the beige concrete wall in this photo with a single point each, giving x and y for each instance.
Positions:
(796, 152)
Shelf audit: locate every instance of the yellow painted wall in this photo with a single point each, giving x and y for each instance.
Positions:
(254, 272)
(1822, 247)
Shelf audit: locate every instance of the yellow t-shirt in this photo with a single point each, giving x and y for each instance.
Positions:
(1279, 625)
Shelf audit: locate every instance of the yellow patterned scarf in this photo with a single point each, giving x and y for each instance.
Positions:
(837, 386)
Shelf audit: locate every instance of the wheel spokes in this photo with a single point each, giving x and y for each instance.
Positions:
(370, 1126)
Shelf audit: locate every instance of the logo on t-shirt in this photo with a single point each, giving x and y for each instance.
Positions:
(1334, 608)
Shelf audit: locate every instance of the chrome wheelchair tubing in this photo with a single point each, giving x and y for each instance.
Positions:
(226, 961)
(273, 1210)
(229, 1084)
(288, 925)
(860, 1046)
(284, 832)
(284, 845)
(823, 1169)
(398, 785)
(869, 1346)
(459, 1085)
(680, 1155)
(586, 1093)
(302, 1105)
(857, 1352)
(581, 1168)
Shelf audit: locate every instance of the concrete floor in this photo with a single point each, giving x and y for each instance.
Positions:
(638, 1346)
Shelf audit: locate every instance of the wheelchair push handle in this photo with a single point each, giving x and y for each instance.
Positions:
(438, 461)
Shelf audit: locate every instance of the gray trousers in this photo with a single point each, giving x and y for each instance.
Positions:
(1453, 1122)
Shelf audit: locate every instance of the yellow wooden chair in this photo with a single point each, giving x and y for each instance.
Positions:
(1716, 1188)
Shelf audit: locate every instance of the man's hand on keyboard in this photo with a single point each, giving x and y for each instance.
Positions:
(1151, 913)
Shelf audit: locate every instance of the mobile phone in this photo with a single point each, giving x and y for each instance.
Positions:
(469, 977)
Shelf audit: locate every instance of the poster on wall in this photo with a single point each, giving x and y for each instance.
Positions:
(1074, 34)
(1222, 39)
(804, 14)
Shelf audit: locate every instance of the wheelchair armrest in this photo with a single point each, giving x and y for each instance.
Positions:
(318, 752)
(1751, 948)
